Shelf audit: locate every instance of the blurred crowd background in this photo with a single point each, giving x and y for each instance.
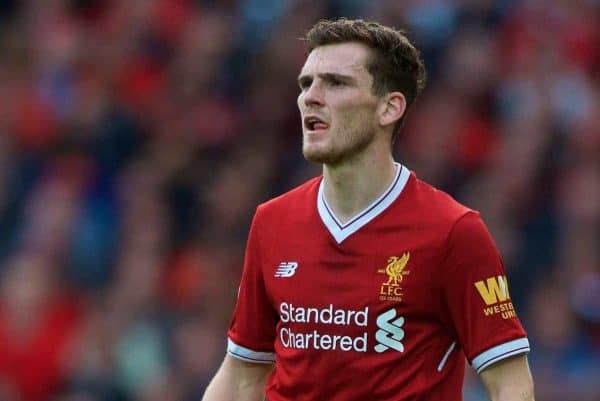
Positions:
(137, 138)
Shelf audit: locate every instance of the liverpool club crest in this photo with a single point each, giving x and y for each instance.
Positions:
(391, 290)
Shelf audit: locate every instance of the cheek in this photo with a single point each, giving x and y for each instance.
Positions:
(356, 117)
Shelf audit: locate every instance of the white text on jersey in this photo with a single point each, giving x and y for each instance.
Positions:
(319, 340)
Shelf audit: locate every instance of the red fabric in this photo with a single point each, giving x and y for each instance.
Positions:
(471, 257)
(449, 250)
(34, 365)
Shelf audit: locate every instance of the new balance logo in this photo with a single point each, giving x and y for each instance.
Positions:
(286, 269)
(390, 332)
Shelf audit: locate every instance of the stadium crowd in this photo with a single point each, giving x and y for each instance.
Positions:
(137, 138)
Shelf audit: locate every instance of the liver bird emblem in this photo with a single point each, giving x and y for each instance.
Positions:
(395, 269)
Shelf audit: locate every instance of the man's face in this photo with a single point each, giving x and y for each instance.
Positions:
(336, 102)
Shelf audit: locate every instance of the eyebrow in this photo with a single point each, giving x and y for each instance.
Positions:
(327, 76)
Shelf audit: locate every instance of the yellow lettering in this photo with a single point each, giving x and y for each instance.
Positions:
(507, 310)
(390, 290)
(488, 311)
(494, 290)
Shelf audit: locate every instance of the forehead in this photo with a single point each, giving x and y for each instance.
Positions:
(343, 58)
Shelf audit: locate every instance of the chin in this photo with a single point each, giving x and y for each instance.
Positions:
(320, 156)
(314, 155)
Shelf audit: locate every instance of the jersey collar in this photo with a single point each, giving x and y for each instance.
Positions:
(341, 231)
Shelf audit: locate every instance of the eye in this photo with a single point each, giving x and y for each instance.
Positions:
(336, 82)
(304, 84)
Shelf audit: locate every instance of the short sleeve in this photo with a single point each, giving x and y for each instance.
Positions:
(251, 334)
(476, 293)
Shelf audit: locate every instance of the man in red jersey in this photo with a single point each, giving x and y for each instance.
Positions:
(367, 283)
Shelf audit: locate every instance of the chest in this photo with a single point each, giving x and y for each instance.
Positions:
(374, 269)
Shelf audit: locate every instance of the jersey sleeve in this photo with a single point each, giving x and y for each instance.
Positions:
(251, 334)
(476, 293)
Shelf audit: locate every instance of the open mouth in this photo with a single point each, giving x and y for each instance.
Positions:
(314, 123)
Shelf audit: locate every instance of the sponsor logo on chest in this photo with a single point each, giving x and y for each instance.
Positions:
(324, 328)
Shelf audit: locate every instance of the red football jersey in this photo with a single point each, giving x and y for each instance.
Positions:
(384, 307)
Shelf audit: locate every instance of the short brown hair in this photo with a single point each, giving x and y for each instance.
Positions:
(396, 64)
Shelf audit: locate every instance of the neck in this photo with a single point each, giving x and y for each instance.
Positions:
(351, 186)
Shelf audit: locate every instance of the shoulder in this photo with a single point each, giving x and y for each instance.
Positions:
(458, 228)
(436, 215)
(435, 205)
(294, 202)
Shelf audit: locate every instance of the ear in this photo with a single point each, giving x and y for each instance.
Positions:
(392, 108)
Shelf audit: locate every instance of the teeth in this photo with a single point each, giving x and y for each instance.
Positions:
(312, 122)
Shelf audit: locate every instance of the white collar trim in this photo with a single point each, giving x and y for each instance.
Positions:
(341, 231)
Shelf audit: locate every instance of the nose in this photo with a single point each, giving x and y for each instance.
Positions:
(313, 96)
